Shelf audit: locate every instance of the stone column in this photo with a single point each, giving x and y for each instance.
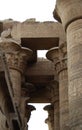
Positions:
(61, 69)
(17, 57)
(17, 70)
(50, 119)
(54, 88)
(70, 13)
(55, 102)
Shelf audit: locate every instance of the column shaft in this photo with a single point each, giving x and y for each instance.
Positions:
(53, 55)
(61, 67)
(60, 62)
(74, 39)
(70, 13)
(56, 109)
(55, 102)
(71, 17)
(56, 116)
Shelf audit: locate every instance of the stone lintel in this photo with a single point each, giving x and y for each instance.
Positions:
(40, 43)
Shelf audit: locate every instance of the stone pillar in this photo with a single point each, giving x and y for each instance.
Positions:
(50, 119)
(61, 69)
(70, 13)
(54, 88)
(17, 57)
(55, 102)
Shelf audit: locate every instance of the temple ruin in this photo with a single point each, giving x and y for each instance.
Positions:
(25, 78)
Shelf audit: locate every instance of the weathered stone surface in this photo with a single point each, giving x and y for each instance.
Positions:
(75, 73)
(58, 83)
(54, 91)
(59, 57)
(71, 17)
(61, 68)
(16, 59)
(38, 30)
(68, 11)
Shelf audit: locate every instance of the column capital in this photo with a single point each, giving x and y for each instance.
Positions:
(9, 45)
(53, 54)
(49, 108)
(18, 60)
(16, 55)
(30, 108)
(22, 58)
(67, 11)
(59, 56)
(62, 63)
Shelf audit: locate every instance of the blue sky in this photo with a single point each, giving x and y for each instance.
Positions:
(37, 120)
